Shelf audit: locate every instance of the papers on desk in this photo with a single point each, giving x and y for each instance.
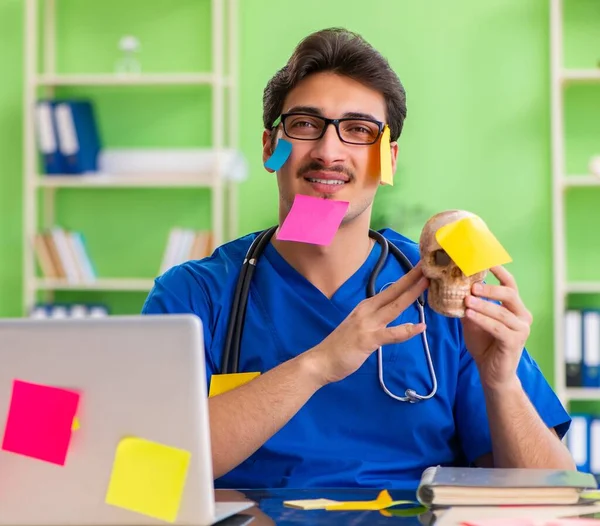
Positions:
(309, 504)
(383, 501)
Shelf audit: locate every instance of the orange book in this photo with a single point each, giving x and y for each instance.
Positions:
(60, 270)
(44, 257)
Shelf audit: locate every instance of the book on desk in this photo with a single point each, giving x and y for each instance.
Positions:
(457, 486)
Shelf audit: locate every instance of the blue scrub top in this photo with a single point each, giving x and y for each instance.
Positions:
(350, 433)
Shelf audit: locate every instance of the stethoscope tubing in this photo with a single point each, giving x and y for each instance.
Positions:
(231, 349)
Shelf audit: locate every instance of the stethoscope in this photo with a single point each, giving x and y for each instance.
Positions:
(231, 351)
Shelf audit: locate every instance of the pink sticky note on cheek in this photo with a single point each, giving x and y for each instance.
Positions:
(313, 220)
(39, 421)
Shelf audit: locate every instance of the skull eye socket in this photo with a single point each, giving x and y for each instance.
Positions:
(441, 258)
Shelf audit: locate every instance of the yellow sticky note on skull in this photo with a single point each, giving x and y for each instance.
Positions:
(471, 245)
(221, 383)
(148, 478)
(386, 157)
(75, 425)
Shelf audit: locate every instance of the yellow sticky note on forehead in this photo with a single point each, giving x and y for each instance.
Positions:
(471, 245)
(221, 383)
(386, 157)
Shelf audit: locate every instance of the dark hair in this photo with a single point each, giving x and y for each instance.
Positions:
(345, 53)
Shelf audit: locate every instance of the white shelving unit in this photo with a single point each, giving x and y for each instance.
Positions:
(224, 84)
(121, 284)
(561, 184)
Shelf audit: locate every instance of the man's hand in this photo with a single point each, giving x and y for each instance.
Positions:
(366, 329)
(495, 335)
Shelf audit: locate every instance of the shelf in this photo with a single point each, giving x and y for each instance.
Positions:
(583, 393)
(580, 75)
(583, 287)
(118, 284)
(573, 181)
(144, 79)
(213, 171)
(181, 180)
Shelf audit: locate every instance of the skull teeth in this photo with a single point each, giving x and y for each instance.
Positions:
(452, 294)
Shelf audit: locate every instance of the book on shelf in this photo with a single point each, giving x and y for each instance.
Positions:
(63, 255)
(184, 244)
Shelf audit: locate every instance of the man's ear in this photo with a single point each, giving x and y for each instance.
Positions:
(268, 148)
(394, 153)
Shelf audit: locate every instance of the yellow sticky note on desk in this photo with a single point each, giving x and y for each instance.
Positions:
(387, 177)
(471, 245)
(221, 383)
(594, 494)
(148, 478)
(310, 504)
(383, 500)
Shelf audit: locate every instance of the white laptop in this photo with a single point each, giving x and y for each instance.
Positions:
(140, 377)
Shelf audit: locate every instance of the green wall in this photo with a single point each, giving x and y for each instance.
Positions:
(477, 134)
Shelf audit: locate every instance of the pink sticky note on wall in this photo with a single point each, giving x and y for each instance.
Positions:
(313, 220)
(39, 421)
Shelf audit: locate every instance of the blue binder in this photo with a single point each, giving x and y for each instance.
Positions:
(573, 347)
(52, 160)
(578, 440)
(78, 137)
(590, 370)
(594, 452)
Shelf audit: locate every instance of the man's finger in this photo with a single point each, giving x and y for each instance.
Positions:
(504, 277)
(395, 289)
(388, 313)
(400, 333)
(493, 310)
(508, 296)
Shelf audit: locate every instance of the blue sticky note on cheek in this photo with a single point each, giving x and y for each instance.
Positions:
(280, 155)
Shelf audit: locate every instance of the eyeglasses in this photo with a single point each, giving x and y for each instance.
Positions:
(307, 127)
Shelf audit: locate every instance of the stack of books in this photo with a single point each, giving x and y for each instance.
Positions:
(62, 254)
(184, 244)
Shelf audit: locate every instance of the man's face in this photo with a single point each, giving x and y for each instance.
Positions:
(358, 166)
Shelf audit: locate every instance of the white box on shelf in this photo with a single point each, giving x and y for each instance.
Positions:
(227, 162)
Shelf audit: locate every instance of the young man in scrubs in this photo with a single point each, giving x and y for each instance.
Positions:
(316, 416)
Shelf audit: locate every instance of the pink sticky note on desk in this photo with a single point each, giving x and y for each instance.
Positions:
(39, 421)
(313, 220)
(500, 522)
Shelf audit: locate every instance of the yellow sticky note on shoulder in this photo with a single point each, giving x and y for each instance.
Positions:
(471, 245)
(387, 177)
(148, 478)
(221, 383)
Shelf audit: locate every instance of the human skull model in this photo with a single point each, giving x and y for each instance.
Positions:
(448, 286)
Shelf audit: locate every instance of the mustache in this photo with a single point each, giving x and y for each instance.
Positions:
(318, 167)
